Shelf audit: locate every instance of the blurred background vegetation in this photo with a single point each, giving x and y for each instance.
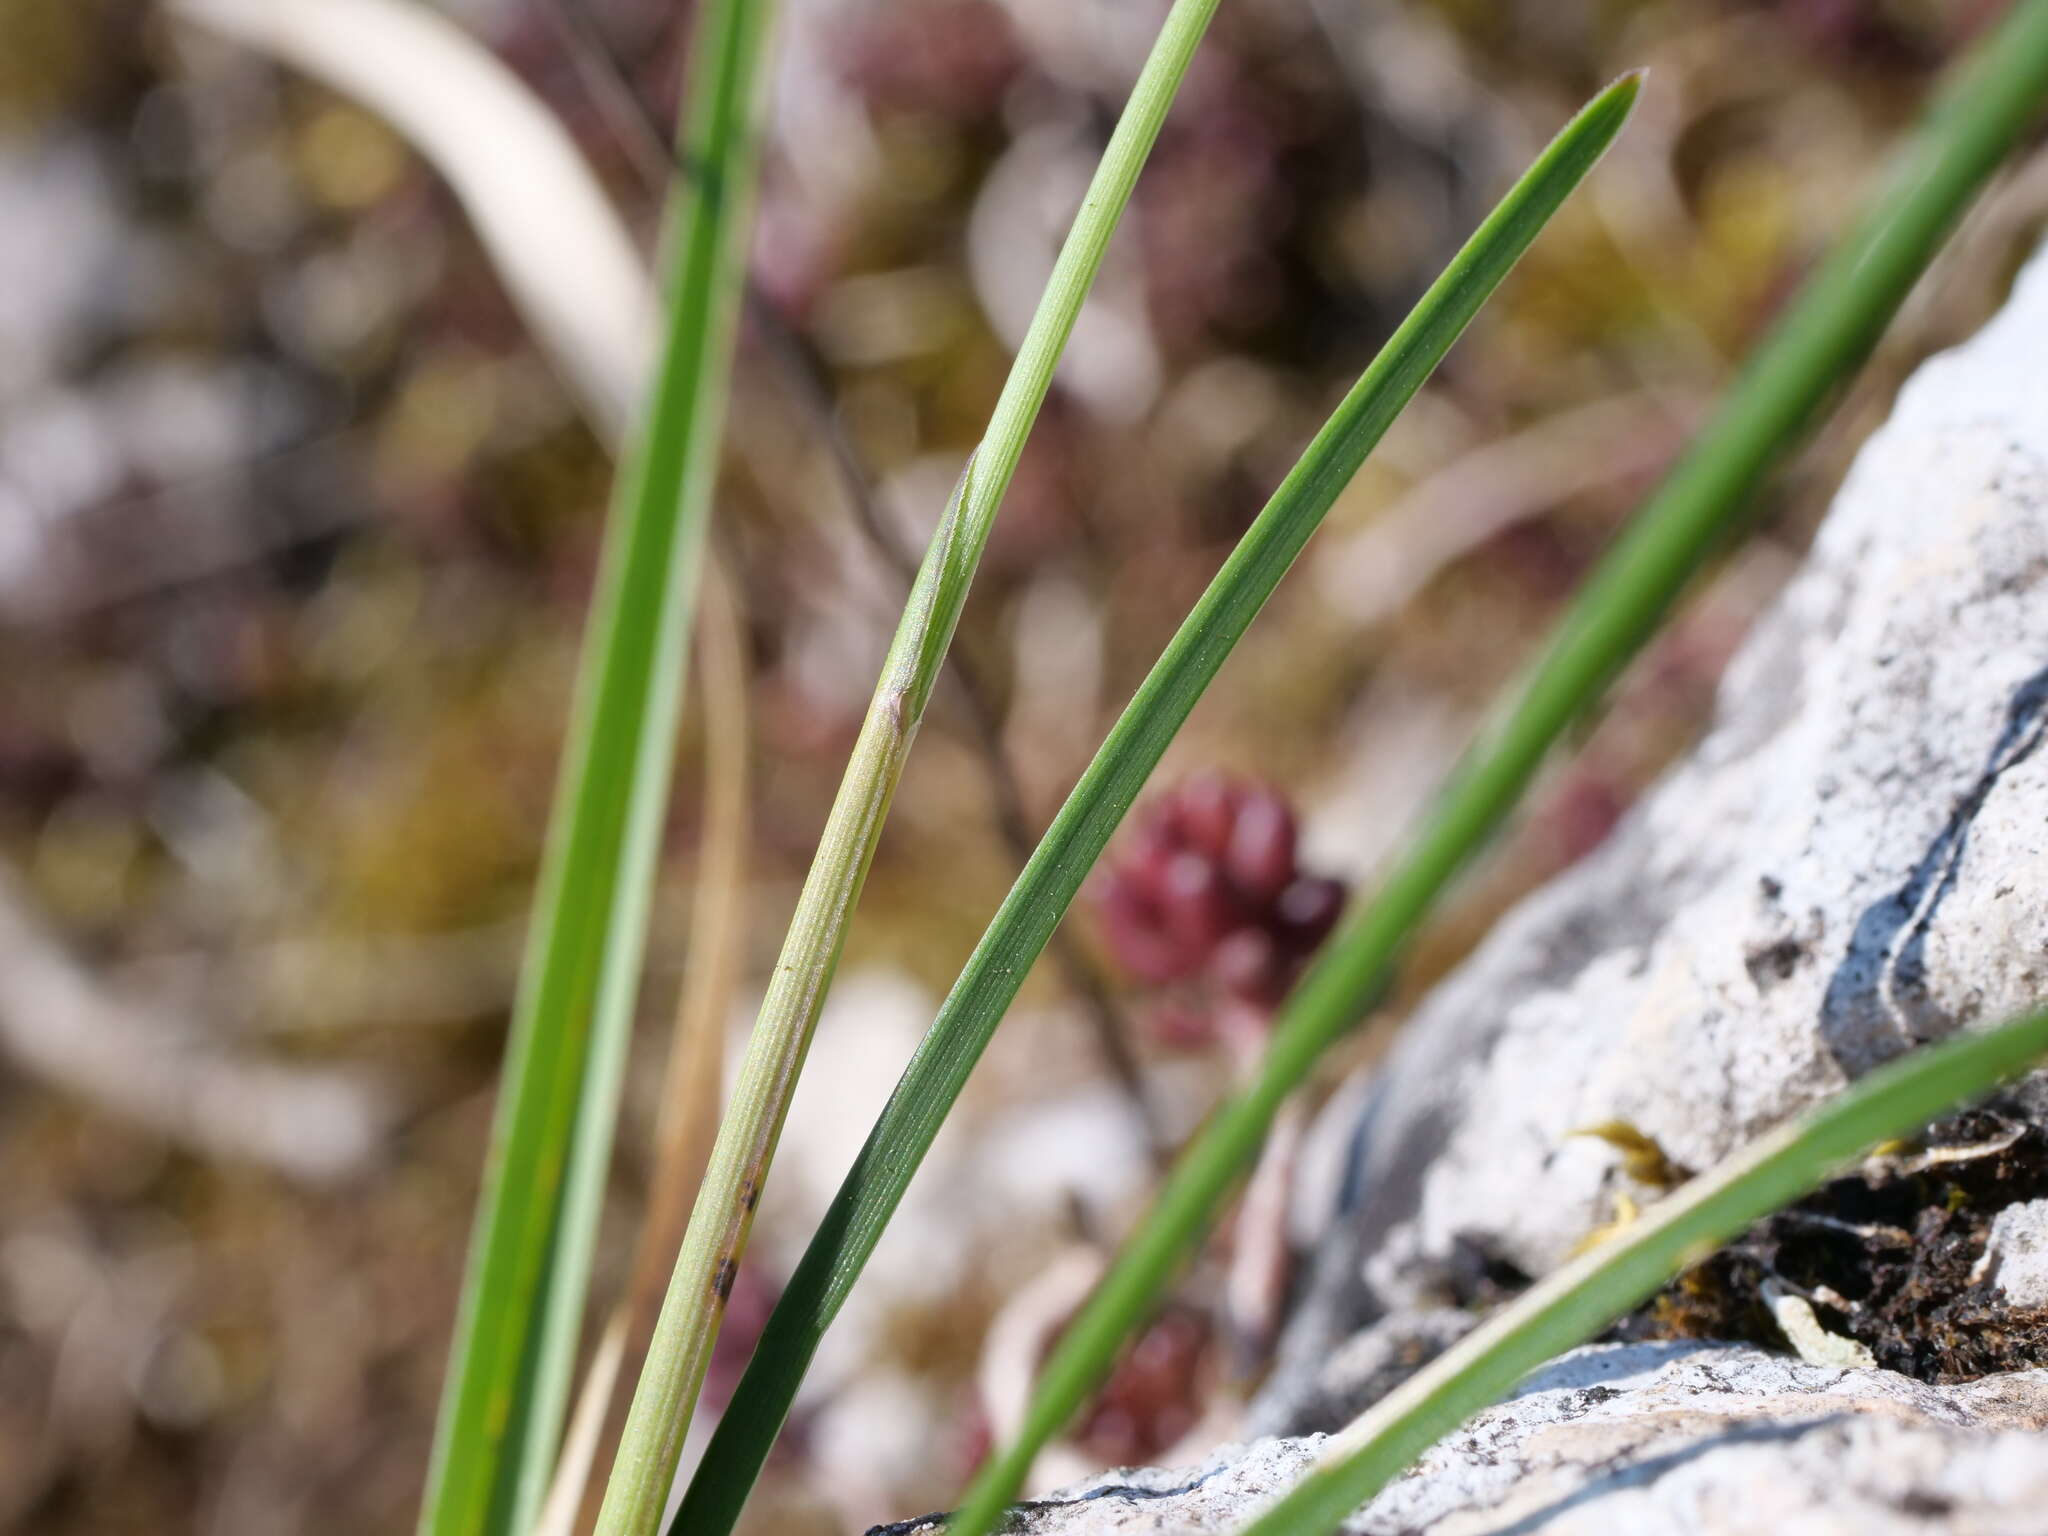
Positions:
(296, 529)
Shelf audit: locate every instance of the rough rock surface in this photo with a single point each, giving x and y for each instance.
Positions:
(1855, 860)
(1692, 1438)
(1650, 1439)
(2016, 1257)
(1215, 1496)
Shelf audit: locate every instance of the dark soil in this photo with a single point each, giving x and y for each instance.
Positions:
(1886, 1255)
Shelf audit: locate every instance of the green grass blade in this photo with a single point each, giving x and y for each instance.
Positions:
(691, 1313)
(1084, 824)
(1579, 1300)
(1830, 329)
(522, 1301)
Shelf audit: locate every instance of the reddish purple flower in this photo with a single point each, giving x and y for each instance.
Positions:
(1155, 1394)
(1205, 897)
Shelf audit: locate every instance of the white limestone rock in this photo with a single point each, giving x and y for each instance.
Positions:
(2016, 1256)
(1853, 861)
(1214, 1498)
(1654, 1439)
(1712, 1440)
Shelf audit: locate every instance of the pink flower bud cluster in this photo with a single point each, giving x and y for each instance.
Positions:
(1204, 899)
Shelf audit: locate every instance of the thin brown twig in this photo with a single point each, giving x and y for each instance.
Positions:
(696, 1065)
(632, 118)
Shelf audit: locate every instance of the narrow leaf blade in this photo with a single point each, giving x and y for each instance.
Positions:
(1084, 824)
(523, 1295)
(693, 1310)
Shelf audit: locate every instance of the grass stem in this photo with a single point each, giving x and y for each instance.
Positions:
(715, 1242)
